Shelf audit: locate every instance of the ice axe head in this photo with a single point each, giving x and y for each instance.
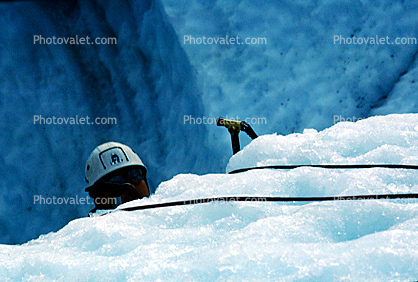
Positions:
(229, 123)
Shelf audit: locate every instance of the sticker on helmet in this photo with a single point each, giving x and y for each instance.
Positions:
(115, 159)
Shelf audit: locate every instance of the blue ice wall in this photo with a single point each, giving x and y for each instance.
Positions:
(144, 81)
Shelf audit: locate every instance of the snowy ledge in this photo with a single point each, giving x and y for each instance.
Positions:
(379, 139)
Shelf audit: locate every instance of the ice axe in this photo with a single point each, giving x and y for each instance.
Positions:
(234, 127)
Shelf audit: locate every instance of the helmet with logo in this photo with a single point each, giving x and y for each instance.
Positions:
(109, 157)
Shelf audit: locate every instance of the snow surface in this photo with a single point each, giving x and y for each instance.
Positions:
(375, 240)
(380, 139)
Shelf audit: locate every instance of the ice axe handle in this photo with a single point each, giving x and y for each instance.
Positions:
(234, 127)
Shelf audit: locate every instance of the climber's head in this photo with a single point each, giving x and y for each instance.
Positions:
(115, 174)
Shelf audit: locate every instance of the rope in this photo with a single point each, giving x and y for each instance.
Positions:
(328, 166)
(272, 199)
(288, 199)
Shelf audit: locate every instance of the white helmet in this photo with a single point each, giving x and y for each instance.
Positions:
(109, 157)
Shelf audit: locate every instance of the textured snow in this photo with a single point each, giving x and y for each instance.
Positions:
(380, 139)
(372, 240)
